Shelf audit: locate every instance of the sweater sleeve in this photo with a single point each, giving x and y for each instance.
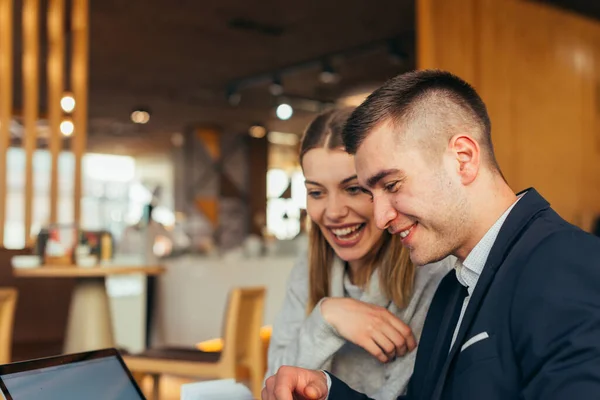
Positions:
(297, 339)
(398, 376)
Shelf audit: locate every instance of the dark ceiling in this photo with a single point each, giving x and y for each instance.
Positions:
(181, 59)
(587, 8)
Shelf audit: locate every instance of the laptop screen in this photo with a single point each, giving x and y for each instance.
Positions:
(102, 378)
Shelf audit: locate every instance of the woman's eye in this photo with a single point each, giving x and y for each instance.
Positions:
(315, 194)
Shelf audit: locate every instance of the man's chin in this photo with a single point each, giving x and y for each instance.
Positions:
(419, 259)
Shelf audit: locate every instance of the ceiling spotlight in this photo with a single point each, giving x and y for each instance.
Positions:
(284, 111)
(140, 117)
(396, 54)
(233, 97)
(177, 139)
(276, 88)
(328, 74)
(257, 131)
(67, 103)
(67, 128)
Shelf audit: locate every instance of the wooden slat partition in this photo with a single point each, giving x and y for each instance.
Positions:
(79, 84)
(6, 99)
(31, 57)
(55, 65)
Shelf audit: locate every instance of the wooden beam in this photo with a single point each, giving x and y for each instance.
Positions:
(425, 34)
(55, 65)
(6, 100)
(79, 85)
(258, 157)
(31, 57)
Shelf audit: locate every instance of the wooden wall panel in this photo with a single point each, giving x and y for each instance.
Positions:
(56, 70)
(79, 84)
(6, 99)
(455, 28)
(498, 35)
(31, 81)
(537, 69)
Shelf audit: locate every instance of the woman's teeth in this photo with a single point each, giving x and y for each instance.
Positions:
(343, 233)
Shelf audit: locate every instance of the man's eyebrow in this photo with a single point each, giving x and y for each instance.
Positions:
(374, 180)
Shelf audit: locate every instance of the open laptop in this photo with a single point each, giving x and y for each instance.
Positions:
(94, 375)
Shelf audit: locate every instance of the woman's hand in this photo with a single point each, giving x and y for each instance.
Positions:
(371, 327)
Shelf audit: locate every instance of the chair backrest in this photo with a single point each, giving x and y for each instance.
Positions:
(8, 302)
(241, 340)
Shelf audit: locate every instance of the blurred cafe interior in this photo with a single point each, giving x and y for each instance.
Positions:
(151, 195)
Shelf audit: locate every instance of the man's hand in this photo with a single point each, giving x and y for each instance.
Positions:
(292, 383)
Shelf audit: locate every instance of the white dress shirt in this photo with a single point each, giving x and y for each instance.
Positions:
(468, 271)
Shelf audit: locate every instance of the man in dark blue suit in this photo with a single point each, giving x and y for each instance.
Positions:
(519, 318)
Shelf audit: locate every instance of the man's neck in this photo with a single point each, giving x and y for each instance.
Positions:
(487, 208)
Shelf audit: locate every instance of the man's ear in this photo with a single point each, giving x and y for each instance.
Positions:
(467, 154)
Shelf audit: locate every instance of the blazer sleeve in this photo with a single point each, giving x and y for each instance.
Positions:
(340, 391)
(555, 319)
(297, 339)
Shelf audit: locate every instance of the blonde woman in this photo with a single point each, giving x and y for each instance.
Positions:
(355, 305)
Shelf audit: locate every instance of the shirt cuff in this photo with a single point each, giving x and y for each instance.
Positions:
(328, 384)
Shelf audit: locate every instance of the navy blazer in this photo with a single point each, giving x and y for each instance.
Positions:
(535, 311)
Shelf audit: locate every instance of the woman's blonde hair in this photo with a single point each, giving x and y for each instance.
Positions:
(396, 271)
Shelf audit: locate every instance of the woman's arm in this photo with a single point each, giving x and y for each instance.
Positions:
(298, 340)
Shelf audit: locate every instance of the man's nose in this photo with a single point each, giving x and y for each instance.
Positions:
(383, 211)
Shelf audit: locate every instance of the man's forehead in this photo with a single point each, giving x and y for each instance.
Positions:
(383, 133)
(380, 155)
(378, 145)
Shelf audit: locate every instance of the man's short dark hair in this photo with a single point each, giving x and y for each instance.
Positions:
(424, 92)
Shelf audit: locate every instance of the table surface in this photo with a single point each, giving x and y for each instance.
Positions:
(74, 271)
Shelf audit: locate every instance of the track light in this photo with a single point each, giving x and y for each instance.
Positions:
(276, 88)
(328, 74)
(233, 96)
(140, 116)
(396, 54)
(284, 111)
(257, 131)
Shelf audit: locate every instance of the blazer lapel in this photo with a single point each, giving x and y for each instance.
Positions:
(431, 353)
(518, 219)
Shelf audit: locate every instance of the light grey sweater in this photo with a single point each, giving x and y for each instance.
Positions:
(308, 341)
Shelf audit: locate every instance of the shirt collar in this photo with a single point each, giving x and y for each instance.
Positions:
(468, 271)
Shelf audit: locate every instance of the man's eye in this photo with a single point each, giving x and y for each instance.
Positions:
(354, 190)
(391, 187)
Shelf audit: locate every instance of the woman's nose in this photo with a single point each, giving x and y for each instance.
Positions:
(336, 208)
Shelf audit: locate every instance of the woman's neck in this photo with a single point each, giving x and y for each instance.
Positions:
(356, 270)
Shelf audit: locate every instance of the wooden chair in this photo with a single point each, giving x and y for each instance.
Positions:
(8, 303)
(242, 356)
